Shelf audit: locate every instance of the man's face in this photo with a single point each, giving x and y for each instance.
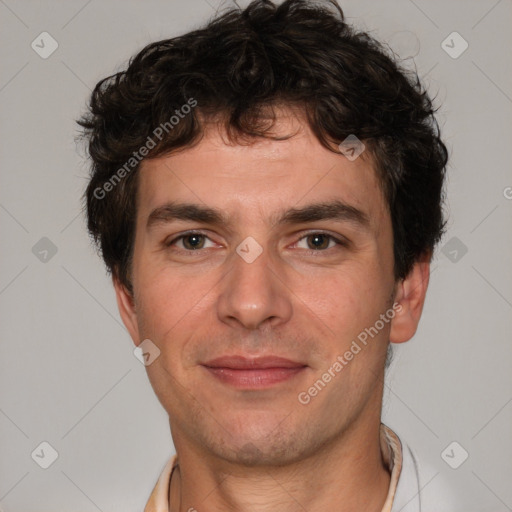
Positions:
(301, 289)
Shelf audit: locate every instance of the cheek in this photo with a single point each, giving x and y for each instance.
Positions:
(174, 308)
(345, 301)
(162, 301)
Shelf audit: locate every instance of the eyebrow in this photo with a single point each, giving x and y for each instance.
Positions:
(330, 210)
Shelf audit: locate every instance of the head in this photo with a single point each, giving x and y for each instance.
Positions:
(233, 132)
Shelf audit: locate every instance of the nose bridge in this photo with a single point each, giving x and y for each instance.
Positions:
(251, 292)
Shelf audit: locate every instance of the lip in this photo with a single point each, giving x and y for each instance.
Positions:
(253, 373)
(237, 362)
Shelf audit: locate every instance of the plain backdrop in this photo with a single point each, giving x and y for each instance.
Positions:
(68, 375)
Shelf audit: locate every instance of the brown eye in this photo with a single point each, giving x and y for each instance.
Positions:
(318, 241)
(190, 242)
(321, 242)
(193, 242)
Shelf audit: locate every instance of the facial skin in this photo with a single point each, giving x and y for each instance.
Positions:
(260, 448)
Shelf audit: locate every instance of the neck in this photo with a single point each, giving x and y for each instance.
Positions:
(347, 474)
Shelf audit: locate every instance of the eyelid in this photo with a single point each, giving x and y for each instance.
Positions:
(337, 238)
(184, 234)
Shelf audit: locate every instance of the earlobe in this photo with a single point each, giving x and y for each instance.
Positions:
(126, 306)
(410, 295)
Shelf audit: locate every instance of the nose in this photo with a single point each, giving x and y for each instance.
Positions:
(253, 295)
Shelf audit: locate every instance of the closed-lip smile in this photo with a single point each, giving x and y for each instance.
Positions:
(253, 372)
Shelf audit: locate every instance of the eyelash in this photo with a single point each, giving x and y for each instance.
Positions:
(339, 243)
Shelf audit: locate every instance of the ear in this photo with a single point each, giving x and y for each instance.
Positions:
(410, 295)
(126, 306)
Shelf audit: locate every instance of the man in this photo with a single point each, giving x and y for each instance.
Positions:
(266, 192)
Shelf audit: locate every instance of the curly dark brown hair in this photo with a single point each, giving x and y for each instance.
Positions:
(298, 53)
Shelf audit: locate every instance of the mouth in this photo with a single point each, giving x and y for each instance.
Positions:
(253, 373)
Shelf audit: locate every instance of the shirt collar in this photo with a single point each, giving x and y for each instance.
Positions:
(391, 449)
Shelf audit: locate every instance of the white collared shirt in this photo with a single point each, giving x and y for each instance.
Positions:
(409, 488)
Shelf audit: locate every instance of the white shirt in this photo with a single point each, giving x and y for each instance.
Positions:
(411, 488)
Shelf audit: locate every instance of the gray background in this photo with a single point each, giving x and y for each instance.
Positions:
(68, 375)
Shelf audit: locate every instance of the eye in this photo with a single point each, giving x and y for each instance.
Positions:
(190, 241)
(319, 242)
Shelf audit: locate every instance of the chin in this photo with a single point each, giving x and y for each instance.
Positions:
(261, 453)
(274, 446)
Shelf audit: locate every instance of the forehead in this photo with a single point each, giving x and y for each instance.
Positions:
(258, 178)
